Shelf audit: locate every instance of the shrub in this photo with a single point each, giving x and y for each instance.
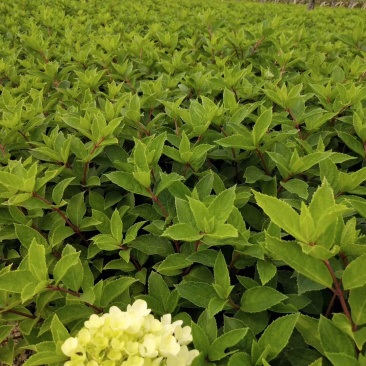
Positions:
(204, 157)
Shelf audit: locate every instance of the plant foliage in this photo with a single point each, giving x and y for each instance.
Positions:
(206, 157)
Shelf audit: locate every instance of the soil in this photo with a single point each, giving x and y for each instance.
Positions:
(23, 355)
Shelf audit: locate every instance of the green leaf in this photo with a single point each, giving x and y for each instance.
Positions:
(297, 186)
(240, 359)
(281, 213)
(166, 181)
(222, 205)
(26, 235)
(208, 325)
(200, 339)
(37, 261)
(158, 288)
(59, 234)
(277, 335)
(15, 281)
(260, 298)
(73, 278)
(198, 293)
(151, 244)
(354, 275)
(5, 330)
(261, 126)
(200, 360)
(7, 353)
(308, 327)
(200, 213)
(116, 226)
(58, 330)
(127, 182)
(206, 257)
(63, 265)
(221, 273)
(184, 213)
(59, 190)
(217, 349)
(11, 180)
(322, 199)
(45, 358)
(182, 232)
(114, 288)
(357, 301)
(174, 262)
(224, 231)
(292, 255)
(216, 304)
(352, 143)
(266, 270)
(306, 162)
(76, 209)
(229, 99)
(341, 359)
(333, 339)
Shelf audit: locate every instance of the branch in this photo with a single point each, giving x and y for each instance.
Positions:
(264, 164)
(339, 293)
(156, 199)
(232, 303)
(86, 165)
(297, 126)
(257, 45)
(30, 316)
(75, 294)
(73, 227)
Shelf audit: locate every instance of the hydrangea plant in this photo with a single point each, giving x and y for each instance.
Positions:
(199, 158)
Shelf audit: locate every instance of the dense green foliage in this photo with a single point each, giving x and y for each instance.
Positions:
(205, 156)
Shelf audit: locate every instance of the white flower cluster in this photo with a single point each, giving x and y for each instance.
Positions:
(130, 338)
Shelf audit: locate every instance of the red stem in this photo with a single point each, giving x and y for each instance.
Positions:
(86, 165)
(176, 127)
(235, 94)
(284, 181)
(150, 114)
(232, 263)
(257, 45)
(344, 259)
(198, 242)
(97, 145)
(232, 303)
(339, 293)
(145, 131)
(46, 60)
(76, 294)
(156, 199)
(133, 259)
(128, 82)
(177, 248)
(73, 227)
(2, 148)
(331, 303)
(18, 313)
(264, 164)
(24, 136)
(362, 76)
(297, 126)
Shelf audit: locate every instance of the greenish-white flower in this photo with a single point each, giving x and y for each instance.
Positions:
(130, 338)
